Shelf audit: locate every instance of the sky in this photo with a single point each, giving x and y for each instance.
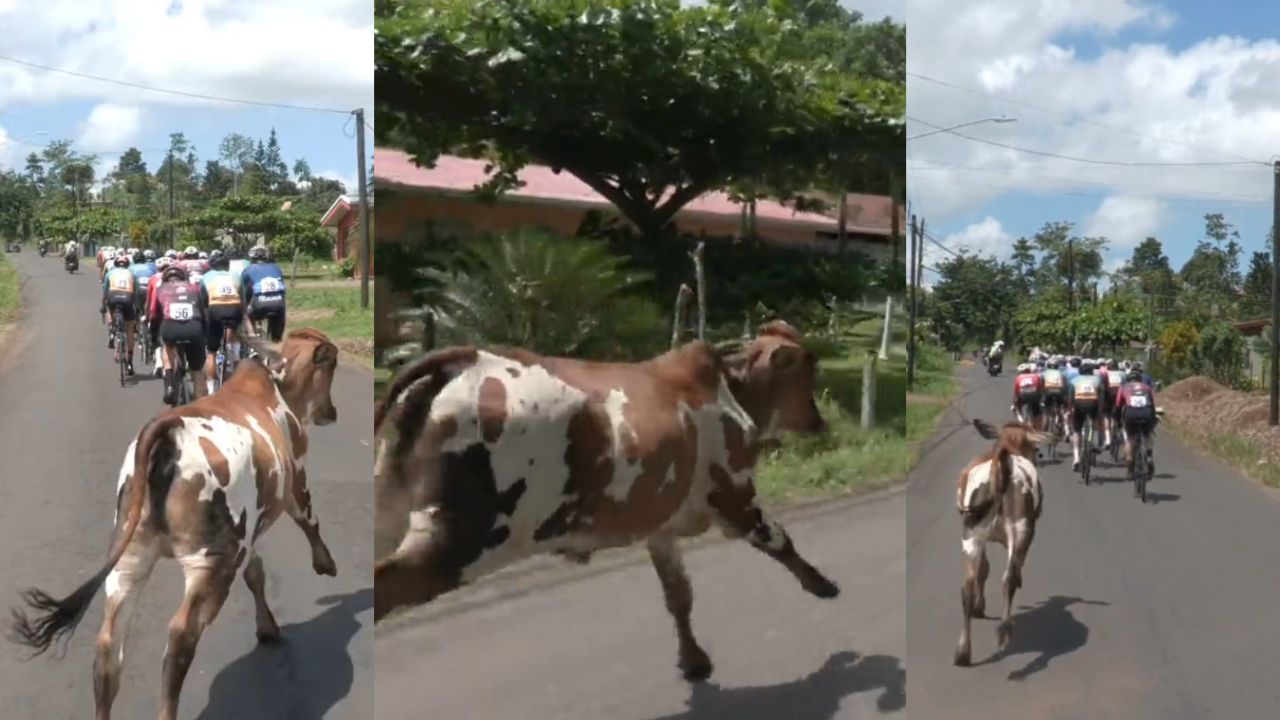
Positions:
(315, 53)
(1121, 81)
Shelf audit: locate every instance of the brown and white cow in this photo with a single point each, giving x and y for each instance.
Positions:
(999, 497)
(201, 483)
(506, 454)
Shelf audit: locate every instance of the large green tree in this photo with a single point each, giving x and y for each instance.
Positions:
(649, 102)
(973, 300)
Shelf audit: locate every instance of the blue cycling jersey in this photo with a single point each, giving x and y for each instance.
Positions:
(142, 272)
(264, 279)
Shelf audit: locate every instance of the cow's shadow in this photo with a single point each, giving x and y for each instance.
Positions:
(816, 696)
(1049, 630)
(302, 676)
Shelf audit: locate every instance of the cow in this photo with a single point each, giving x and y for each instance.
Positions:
(202, 483)
(999, 498)
(506, 454)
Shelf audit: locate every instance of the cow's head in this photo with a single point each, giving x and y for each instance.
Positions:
(773, 378)
(305, 370)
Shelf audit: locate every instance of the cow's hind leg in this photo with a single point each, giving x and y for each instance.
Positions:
(423, 567)
(299, 508)
(208, 580)
(256, 578)
(974, 558)
(123, 586)
(736, 508)
(678, 593)
(1020, 535)
(980, 585)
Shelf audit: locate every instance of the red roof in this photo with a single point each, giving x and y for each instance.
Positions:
(457, 175)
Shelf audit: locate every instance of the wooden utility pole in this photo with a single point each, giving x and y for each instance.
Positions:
(1071, 275)
(911, 324)
(366, 245)
(170, 199)
(1275, 296)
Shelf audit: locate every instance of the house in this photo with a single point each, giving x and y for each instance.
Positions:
(419, 202)
(344, 217)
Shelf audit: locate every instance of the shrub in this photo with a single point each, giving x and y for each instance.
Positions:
(1220, 354)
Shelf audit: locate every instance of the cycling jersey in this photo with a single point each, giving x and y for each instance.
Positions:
(195, 268)
(1137, 399)
(221, 289)
(1070, 373)
(237, 267)
(1085, 391)
(176, 301)
(142, 272)
(1027, 386)
(118, 283)
(1055, 383)
(264, 281)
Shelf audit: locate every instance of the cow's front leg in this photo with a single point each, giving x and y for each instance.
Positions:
(208, 581)
(299, 508)
(678, 593)
(256, 578)
(1020, 535)
(980, 583)
(970, 591)
(738, 512)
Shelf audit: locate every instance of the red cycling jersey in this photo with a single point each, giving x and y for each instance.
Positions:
(1027, 384)
(175, 300)
(1136, 389)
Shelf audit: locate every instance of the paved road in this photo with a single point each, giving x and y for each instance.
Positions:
(1166, 610)
(535, 645)
(64, 425)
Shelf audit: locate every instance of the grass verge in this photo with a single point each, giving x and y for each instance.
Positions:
(935, 387)
(8, 290)
(1242, 453)
(337, 313)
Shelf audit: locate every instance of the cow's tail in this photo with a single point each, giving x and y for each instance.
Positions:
(439, 366)
(57, 618)
(1001, 471)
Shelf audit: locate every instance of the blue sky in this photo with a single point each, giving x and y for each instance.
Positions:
(299, 52)
(1183, 81)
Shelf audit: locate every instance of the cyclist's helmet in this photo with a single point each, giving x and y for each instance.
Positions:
(171, 254)
(218, 260)
(1053, 363)
(138, 257)
(203, 255)
(270, 257)
(1136, 366)
(162, 262)
(121, 261)
(1133, 375)
(1086, 365)
(258, 253)
(149, 255)
(175, 272)
(1076, 361)
(191, 253)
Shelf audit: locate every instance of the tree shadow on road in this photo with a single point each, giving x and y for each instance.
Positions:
(816, 696)
(303, 676)
(1047, 629)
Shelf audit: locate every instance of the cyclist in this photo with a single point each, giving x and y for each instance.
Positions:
(152, 283)
(1055, 390)
(1028, 387)
(1146, 377)
(1137, 400)
(263, 288)
(238, 263)
(221, 296)
(192, 263)
(1072, 369)
(177, 319)
(1085, 396)
(104, 256)
(118, 295)
(1113, 378)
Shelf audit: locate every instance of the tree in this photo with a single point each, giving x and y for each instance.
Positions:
(218, 181)
(302, 170)
(1177, 341)
(649, 103)
(236, 151)
(1150, 270)
(1256, 301)
(1067, 259)
(274, 169)
(975, 299)
(1220, 354)
(1024, 264)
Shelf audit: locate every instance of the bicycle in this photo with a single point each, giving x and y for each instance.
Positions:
(1141, 470)
(1087, 457)
(1116, 443)
(222, 361)
(184, 389)
(1054, 428)
(118, 336)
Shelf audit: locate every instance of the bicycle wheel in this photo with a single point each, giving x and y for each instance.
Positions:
(220, 363)
(1140, 470)
(122, 351)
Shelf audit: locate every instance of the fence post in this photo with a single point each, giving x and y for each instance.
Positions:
(884, 338)
(869, 392)
(428, 331)
(700, 274)
(682, 311)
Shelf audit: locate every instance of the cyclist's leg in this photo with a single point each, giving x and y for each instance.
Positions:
(275, 323)
(1077, 425)
(213, 339)
(168, 356)
(195, 361)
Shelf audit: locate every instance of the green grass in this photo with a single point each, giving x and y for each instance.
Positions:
(935, 386)
(8, 290)
(1242, 453)
(337, 313)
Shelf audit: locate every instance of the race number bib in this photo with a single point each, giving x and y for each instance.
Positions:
(224, 289)
(1027, 383)
(1138, 401)
(1087, 392)
(181, 311)
(271, 285)
(1053, 381)
(123, 283)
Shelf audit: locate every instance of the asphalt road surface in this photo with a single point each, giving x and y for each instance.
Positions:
(597, 642)
(65, 424)
(1163, 610)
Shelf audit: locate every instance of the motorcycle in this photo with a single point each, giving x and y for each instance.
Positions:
(995, 365)
(72, 263)
(44, 249)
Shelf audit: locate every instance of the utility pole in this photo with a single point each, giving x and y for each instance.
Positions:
(1071, 275)
(366, 247)
(911, 325)
(170, 199)
(1275, 296)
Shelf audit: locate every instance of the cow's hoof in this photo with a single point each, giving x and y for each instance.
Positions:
(962, 658)
(821, 587)
(322, 562)
(979, 611)
(698, 671)
(269, 637)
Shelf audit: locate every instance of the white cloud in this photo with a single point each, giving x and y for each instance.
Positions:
(1125, 221)
(1216, 101)
(110, 126)
(309, 52)
(987, 237)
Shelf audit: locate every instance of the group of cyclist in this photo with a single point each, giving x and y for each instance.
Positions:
(192, 302)
(1113, 395)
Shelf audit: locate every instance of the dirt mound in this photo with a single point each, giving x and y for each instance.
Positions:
(1193, 389)
(1202, 406)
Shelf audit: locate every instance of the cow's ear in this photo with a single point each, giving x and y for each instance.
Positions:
(325, 354)
(786, 358)
(738, 364)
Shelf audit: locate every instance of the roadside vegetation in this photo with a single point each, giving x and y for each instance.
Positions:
(8, 292)
(336, 312)
(935, 387)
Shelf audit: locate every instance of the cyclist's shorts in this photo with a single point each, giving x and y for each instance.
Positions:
(1030, 402)
(273, 312)
(1054, 399)
(1139, 423)
(188, 338)
(124, 303)
(220, 317)
(1079, 414)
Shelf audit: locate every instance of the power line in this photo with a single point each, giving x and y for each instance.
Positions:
(1067, 116)
(182, 93)
(1091, 161)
